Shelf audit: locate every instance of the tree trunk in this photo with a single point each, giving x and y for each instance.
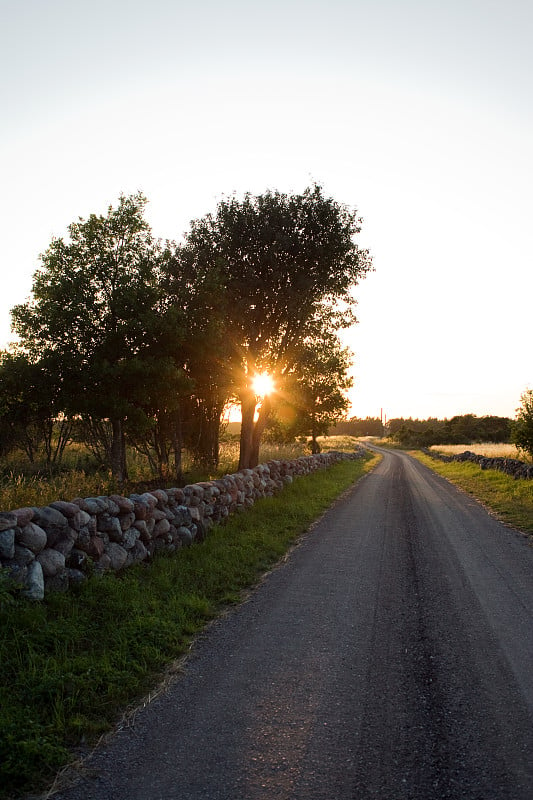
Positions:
(161, 447)
(208, 441)
(28, 447)
(118, 451)
(247, 429)
(123, 453)
(258, 429)
(47, 431)
(64, 433)
(315, 447)
(203, 420)
(177, 444)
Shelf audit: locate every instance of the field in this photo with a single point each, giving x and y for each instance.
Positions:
(484, 449)
(19, 489)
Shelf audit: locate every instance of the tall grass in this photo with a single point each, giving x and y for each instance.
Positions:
(18, 489)
(71, 664)
(488, 449)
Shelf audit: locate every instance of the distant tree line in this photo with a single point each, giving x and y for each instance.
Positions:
(462, 429)
(355, 426)
(131, 340)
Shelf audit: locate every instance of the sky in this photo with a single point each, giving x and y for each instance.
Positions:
(417, 113)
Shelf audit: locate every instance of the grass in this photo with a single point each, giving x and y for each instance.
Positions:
(19, 489)
(511, 500)
(72, 664)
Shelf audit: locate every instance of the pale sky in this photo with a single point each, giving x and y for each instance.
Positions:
(417, 113)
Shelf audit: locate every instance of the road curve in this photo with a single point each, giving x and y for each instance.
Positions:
(390, 657)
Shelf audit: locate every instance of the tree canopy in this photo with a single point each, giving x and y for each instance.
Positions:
(97, 310)
(313, 394)
(285, 264)
(136, 338)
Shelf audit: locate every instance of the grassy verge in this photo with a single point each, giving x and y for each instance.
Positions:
(71, 664)
(511, 500)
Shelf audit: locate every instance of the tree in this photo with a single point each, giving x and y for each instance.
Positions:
(494, 429)
(283, 262)
(31, 408)
(522, 430)
(156, 388)
(196, 289)
(316, 386)
(96, 307)
(370, 426)
(461, 429)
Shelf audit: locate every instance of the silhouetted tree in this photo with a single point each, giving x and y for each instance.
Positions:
(31, 408)
(97, 309)
(313, 394)
(280, 260)
(194, 286)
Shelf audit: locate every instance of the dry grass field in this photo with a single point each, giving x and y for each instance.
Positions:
(18, 489)
(483, 449)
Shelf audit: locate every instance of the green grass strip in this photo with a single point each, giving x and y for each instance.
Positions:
(509, 499)
(72, 664)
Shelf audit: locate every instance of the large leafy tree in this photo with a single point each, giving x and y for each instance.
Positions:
(282, 262)
(317, 386)
(96, 309)
(522, 430)
(196, 289)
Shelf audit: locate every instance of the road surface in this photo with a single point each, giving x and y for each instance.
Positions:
(390, 657)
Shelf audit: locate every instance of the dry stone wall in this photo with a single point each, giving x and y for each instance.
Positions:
(55, 547)
(511, 466)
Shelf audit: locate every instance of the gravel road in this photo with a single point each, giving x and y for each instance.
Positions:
(390, 657)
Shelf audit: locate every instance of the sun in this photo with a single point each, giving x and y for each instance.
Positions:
(263, 384)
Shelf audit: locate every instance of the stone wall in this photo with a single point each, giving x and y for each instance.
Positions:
(57, 546)
(511, 466)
